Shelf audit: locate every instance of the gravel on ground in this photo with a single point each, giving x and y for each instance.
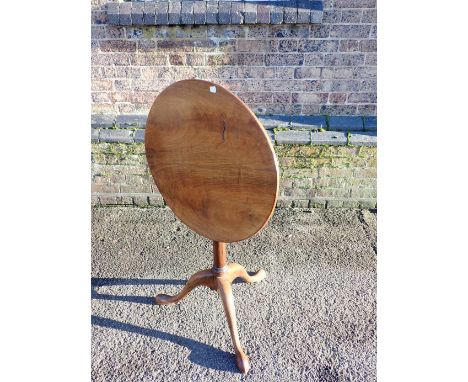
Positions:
(312, 319)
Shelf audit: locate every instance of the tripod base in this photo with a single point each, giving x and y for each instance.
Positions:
(220, 280)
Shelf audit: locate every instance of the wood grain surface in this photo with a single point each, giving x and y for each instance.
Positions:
(211, 160)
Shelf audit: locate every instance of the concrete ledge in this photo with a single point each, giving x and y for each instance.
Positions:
(328, 138)
(312, 122)
(292, 137)
(282, 129)
(321, 202)
(127, 199)
(105, 121)
(156, 200)
(128, 121)
(187, 12)
(363, 139)
(297, 137)
(113, 135)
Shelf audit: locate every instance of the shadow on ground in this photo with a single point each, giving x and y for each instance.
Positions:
(201, 354)
(149, 300)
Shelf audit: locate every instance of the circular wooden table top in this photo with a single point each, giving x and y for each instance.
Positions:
(211, 160)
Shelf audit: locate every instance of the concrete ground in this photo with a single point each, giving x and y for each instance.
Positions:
(312, 319)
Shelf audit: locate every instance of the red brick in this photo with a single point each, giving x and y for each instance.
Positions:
(253, 85)
(310, 98)
(98, 31)
(354, 3)
(117, 46)
(149, 58)
(177, 59)
(282, 97)
(100, 97)
(313, 59)
(109, 71)
(369, 16)
(371, 59)
(338, 109)
(256, 97)
(114, 31)
(251, 59)
(146, 45)
(176, 73)
(101, 187)
(283, 85)
(123, 84)
(101, 85)
(349, 45)
(121, 96)
(227, 46)
(103, 108)
(284, 59)
(255, 46)
(222, 59)
(307, 72)
(291, 31)
(288, 45)
(369, 45)
(367, 109)
(109, 59)
(316, 85)
(343, 73)
(280, 109)
(149, 72)
(310, 109)
(125, 108)
(337, 98)
(195, 59)
(97, 73)
(146, 98)
(173, 45)
(362, 98)
(286, 73)
(233, 85)
(206, 46)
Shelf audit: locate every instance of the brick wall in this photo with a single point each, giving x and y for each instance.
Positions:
(326, 176)
(294, 69)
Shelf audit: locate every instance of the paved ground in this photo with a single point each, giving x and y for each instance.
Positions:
(312, 319)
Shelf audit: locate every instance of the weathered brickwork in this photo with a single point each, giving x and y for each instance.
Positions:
(188, 12)
(326, 68)
(311, 176)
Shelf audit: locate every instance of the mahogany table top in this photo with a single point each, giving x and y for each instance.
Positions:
(211, 160)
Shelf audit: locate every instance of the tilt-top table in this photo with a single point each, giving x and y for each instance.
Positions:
(216, 168)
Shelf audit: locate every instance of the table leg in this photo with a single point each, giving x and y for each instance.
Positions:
(225, 292)
(205, 277)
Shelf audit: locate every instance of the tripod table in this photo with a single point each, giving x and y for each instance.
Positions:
(215, 166)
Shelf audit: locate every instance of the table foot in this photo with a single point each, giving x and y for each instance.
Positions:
(238, 270)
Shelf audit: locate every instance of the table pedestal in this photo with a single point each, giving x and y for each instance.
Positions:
(220, 278)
